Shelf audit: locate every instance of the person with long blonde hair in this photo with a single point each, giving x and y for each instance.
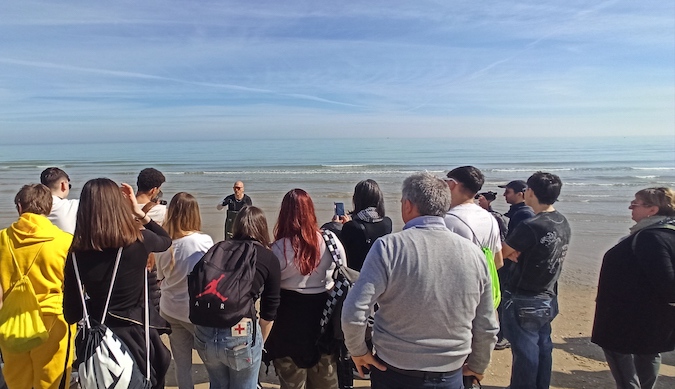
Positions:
(183, 223)
(306, 277)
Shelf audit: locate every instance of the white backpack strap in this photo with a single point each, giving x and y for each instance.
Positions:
(112, 283)
(147, 328)
(79, 289)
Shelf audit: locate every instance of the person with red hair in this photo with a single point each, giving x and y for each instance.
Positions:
(306, 277)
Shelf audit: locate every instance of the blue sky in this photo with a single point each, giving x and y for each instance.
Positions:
(92, 70)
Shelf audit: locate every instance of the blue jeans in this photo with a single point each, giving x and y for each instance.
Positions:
(232, 362)
(390, 379)
(527, 325)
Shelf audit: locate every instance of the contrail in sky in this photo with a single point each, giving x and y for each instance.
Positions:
(117, 73)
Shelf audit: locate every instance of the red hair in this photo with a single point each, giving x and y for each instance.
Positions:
(297, 222)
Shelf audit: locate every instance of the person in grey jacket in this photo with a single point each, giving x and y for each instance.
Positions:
(434, 295)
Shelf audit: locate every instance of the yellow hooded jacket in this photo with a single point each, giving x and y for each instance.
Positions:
(25, 236)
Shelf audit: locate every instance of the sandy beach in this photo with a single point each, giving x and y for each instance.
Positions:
(577, 363)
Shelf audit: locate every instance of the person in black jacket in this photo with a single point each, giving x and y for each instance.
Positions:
(635, 307)
(367, 223)
(105, 222)
(232, 354)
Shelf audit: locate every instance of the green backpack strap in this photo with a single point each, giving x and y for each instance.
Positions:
(490, 258)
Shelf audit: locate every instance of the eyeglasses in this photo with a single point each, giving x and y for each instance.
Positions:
(635, 204)
(450, 179)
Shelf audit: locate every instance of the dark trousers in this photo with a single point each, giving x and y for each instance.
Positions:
(390, 379)
(345, 371)
(633, 371)
(133, 337)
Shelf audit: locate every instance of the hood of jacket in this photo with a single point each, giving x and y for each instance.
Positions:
(31, 228)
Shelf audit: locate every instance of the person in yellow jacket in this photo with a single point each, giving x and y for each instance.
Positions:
(47, 365)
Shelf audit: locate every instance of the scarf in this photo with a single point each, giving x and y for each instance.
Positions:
(369, 215)
(649, 221)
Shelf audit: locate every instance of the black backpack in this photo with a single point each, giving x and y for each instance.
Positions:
(220, 284)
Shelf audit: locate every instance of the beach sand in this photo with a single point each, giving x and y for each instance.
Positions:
(577, 363)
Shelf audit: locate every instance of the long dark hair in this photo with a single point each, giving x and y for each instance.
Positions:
(251, 223)
(297, 222)
(104, 218)
(368, 194)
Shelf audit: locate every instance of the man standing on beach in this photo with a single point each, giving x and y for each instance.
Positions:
(434, 295)
(234, 203)
(514, 194)
(467, 219)
(64, 212)
(149, 192)
(538, 247)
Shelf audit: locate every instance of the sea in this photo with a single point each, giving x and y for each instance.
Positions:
(600, 175)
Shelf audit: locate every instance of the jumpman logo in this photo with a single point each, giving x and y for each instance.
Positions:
(211, 289)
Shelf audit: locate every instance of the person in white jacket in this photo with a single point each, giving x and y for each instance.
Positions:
(183, 223)
(64, 211)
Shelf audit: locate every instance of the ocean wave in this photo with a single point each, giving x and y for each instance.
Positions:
(603, 184)
(344, 166)
(645, 177)
(294, 172)
(516, 170)
(652, 168)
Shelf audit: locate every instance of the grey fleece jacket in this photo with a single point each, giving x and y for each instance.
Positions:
(435, 300)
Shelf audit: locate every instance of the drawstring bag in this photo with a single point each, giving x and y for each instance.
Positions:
(106, 360)
(21, 325)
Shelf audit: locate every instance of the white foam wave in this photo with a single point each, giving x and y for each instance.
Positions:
(295, 172)
(598, 184)
(653, 168)
(515, 170)
(343, 166)
(645, 177)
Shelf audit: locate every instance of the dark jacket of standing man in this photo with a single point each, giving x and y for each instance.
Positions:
(514, 194)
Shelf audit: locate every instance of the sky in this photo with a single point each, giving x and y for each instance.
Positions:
(182, 70)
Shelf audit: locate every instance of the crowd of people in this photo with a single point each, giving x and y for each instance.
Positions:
(430, 305)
